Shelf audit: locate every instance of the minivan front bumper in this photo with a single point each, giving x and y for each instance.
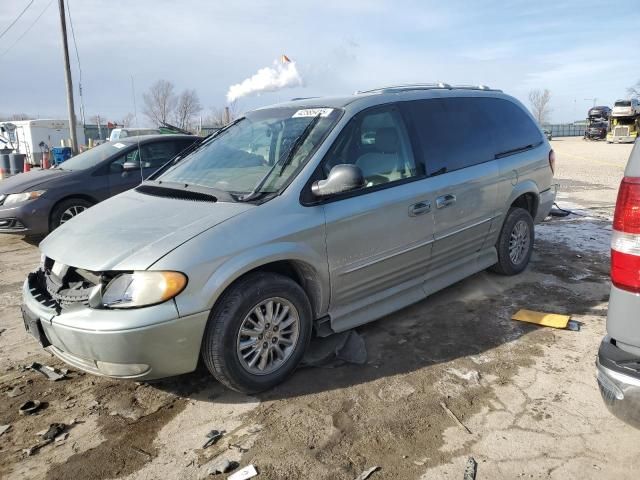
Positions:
(143, 344)
(618, 374)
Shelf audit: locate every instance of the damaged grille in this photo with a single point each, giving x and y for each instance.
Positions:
(68, 287)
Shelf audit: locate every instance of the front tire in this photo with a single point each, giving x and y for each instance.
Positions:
(257, 332)
(66, 210)
(515, 243)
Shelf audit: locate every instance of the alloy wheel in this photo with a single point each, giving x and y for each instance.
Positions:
(519, 242)
(268, 336)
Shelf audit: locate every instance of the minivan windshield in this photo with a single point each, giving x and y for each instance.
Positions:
(91, 157)
(258, 154)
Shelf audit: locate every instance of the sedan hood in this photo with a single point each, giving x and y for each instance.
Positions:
(133, 230)
(24, 182)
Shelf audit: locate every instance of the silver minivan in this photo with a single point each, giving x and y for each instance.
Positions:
(618, 363)
(305, 218)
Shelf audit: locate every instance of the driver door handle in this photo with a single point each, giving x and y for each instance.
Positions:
(445, 200)
(419, 208)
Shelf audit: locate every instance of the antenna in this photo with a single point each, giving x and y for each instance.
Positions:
(135, 115)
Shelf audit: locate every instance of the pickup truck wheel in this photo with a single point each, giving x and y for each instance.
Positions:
(257, 332)
(515, 243)
(67, 209)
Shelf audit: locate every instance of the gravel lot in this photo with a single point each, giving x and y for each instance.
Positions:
(525, 396)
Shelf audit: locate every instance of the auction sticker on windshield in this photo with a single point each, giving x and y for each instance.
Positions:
(313, 112)
(119, 145)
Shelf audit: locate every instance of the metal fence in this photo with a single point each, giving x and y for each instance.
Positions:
(566, 130)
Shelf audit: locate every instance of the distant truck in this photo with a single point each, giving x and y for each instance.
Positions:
(624, 123)
(32, 137)
(597, 123)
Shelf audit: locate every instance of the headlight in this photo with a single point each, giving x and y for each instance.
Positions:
(22, 197)
(139, 289)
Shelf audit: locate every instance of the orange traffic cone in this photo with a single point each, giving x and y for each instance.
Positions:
(27, 166)
(45, 160)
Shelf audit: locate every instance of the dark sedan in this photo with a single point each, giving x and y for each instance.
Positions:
(37, 202)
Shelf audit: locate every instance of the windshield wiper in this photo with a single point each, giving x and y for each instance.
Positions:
(287, 160)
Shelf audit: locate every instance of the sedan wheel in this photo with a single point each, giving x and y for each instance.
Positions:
(71, 212)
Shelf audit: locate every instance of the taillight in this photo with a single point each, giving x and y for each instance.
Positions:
(627, 216)
(625, 243)
(552, 161)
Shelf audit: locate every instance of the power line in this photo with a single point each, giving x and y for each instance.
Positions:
(75, 46)
(17, 18)
(27, 30)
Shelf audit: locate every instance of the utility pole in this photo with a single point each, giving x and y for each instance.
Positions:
(594, 100)
(68, 81)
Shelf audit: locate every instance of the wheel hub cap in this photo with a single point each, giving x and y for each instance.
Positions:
(268, 336)
(519, 242)
(71, 212)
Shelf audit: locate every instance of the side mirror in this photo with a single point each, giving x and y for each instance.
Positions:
(342, 178)
(130, 166)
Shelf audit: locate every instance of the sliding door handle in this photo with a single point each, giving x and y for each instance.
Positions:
(445, 200)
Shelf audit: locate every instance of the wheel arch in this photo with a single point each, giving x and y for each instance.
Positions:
(297, 262)
(82, 196)
(527, 196)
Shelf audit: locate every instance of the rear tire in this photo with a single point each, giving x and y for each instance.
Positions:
(515, 243)
(66, 210)
(264, 319)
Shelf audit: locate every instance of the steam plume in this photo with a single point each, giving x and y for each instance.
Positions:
(283, 74)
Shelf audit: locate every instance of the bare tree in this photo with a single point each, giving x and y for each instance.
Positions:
(16, 117)
(634, 91)
(188, 105)
(540, 100)
(127, 120)
(159, 101)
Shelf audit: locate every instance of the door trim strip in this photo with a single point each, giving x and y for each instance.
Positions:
(387, 257)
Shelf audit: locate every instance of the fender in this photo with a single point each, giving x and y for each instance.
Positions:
(311, 265)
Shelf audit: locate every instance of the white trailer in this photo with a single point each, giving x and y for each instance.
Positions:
(28, 134)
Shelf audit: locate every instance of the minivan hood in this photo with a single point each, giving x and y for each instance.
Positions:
(24, 182)
(131, 231)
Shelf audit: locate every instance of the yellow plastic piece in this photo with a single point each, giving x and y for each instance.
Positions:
(540, 318)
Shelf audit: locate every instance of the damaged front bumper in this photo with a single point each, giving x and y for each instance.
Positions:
(143, 343)
(618, 374)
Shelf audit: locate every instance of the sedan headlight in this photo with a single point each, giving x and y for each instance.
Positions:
(22, 197)
(139, 289)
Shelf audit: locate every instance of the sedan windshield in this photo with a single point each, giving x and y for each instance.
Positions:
(91, 157)
(258, 154)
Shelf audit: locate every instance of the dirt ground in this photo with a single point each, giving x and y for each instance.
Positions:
(526, 396)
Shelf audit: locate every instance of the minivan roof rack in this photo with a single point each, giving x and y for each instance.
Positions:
(425, 86)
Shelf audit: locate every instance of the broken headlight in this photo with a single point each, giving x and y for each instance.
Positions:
(140, 289)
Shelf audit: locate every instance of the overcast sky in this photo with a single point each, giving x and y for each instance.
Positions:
(578, 50)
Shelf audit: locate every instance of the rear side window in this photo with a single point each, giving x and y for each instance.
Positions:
(513, 128)
(454, 133)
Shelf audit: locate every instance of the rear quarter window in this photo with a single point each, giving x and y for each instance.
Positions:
(513, 129)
